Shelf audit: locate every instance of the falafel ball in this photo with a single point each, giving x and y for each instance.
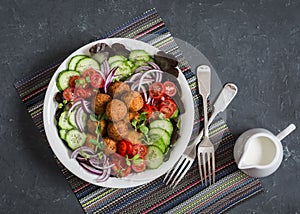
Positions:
(110, 146)
(88, 141)
(130, 116)
(118, 88)
(116, 110)
(117, 130)
(92, 126)
(133, 100)
(134, 137)
(100, 102)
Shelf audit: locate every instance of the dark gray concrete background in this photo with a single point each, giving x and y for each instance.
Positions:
(254, 44)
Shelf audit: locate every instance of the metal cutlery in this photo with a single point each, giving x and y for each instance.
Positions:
(175, 174)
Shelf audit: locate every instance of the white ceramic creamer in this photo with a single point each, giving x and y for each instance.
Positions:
(258, 152)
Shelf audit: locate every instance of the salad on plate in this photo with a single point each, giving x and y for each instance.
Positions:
(118, 110)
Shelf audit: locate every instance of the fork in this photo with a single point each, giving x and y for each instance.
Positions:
(223, 100)
(206, 150)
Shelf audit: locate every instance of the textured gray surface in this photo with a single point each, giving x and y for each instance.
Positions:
(254, 44)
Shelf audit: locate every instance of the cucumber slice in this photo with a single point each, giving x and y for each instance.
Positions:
(129, 64)
(71, 119)
(157, 141)
(86, 63)
(74, 60)
(136, 55)
(116, 58)
(62, 133)
(75, 138)
(165, 136)
(63, 122)
(154, 157)
(140, 63)
(62, 81)
(163, 124)
(123, 69)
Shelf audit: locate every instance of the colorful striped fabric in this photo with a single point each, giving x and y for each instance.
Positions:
(231, 187)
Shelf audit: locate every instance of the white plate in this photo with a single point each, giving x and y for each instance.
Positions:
(63, 153)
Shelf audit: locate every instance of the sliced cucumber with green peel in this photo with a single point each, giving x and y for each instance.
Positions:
(74, 60)
(157, 141)
(116, 58)
(136, 55)
(62, 81)
(164, 135)
(75, 138)
(123, 69)
(129, 64)
(163, 124)
(71, 118)
(63, 121)
(154, 157)
(86, 63)
(62, 133)
(140, 63)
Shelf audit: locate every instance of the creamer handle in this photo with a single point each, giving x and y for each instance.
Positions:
(286, 132)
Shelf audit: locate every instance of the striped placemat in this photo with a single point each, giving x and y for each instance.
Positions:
(231, 187)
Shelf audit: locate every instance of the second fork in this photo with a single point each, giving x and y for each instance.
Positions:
(206, 151)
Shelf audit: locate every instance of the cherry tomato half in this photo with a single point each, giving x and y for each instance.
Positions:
(149, 109)
(120, 168)
(97, 80)
(72, 81)
(168, 103)
(139, 149)
(122, 148)
(89, 72)
(166, 111)
(167, 108)
(81, 93)
(170, 88)
(156, 90)
(139, 167)
(68, 94)
(129, 148)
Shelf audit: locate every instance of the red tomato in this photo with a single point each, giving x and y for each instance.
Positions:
(166, 111)
(68, 94)
(89, 72)
(72, 82)
(170, 88)
(81, 92)
(129, 148)
(139, 149)
(89, 92)
(167, 107)
(97, 80)
(122, 148)
(149, 109)
(156, 90)
(120, 168)
(168, 103)
(139, 167)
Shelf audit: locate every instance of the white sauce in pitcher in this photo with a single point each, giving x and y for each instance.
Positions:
(260, 151)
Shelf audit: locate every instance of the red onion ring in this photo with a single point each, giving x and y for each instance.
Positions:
(84, 149)
(78, 119)
(142, 68)
(109, 78)
(91, 169)
(154, 65)
(105, 67)
(85, 106)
